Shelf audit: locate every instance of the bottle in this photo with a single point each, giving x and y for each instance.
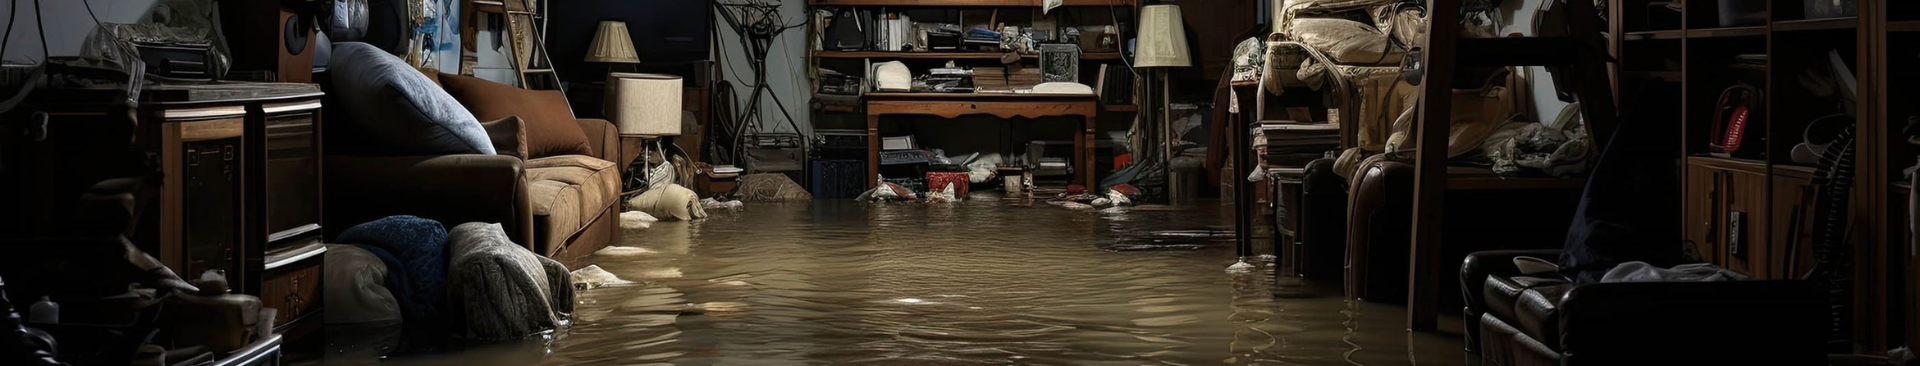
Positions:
(44, 312)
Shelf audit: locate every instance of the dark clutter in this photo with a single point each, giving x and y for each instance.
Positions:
(535, 182)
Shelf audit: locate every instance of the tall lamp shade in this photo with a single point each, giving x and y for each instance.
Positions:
(611, 44)
(1162, 42)
(644, 104)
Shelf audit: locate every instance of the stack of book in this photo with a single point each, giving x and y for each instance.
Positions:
(998, 78)
(895, 32)
(1289, 143)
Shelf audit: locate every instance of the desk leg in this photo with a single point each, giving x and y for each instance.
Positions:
(1085, 149)
(873, 149)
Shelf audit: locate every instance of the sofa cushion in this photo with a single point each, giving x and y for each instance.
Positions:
(1502, 293)
(509, 136)
(1538, 313)
(556, 213)
(393, 109)
(568, 192)
(551, 128)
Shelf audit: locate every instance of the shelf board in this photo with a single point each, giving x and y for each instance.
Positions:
(1745, 165)
(1793, 170)
(970, 3)
(1667, 76)
(1727, 32)
(1817, 24)
(1659, 34)
(1097, 56)
(1477, 178)
(1904, 26)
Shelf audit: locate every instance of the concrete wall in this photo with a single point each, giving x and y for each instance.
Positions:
(67, 24)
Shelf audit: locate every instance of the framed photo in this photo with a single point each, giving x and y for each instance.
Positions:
(1060, 62)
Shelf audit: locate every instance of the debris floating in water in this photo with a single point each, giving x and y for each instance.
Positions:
(622, 251)
(593, 277)
(1240, 267)
(636, 220)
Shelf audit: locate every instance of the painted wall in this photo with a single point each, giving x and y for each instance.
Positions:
(67, 24)
(786, 70)
(1545, 104)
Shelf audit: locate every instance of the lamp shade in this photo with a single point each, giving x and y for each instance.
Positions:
(1163, 41)
(644, 104)
(612, 44)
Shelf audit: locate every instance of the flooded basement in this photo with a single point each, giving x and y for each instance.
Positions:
(981, 282)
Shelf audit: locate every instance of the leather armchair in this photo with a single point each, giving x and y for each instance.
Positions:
(1514, 319)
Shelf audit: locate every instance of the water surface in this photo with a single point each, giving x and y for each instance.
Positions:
(982, 282)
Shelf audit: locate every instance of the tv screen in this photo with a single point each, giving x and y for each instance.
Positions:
(664, 32)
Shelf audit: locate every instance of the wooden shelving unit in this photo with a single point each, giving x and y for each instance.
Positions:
(968, 13)
(1678, 71)
(966, 3)
(1727, 32)
(1092, 56)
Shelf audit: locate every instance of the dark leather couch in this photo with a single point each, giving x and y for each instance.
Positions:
(1514, 319)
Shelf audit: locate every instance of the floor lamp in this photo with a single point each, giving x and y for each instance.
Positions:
(1162, 45)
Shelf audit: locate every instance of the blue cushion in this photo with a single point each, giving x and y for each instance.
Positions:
(395, 109)
(416, 251)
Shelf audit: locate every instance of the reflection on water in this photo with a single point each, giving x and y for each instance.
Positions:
(982, 282)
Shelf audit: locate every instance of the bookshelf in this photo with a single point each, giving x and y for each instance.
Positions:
(997, 81)
(1672, 72)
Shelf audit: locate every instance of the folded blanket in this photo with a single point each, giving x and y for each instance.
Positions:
(500, 290)
(414, 250)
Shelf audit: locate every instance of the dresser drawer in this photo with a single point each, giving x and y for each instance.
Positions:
(294, 290)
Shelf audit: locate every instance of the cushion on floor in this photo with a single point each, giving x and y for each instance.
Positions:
(499, 289)
(355, 288)
(672, 202)
(418, 248)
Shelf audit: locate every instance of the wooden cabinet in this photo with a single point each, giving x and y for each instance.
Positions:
(1792, 226)
(241, 194)
(1727, 214)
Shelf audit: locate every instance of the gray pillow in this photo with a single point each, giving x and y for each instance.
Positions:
(395, 109)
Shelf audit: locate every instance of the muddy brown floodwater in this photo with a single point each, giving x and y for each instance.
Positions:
(982, 282)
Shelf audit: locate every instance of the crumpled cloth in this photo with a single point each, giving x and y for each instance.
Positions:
(1637, 271)
(500, 289)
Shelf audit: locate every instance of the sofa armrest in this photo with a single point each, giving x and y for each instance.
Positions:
(1720, 323)
(451, 189)
(603, 138)
(1480, 265)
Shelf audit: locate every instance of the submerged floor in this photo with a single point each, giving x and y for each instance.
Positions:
(982, 282)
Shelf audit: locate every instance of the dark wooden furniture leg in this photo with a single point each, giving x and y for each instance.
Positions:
(1430, 166)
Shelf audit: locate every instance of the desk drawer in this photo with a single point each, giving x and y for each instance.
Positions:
(293, 290)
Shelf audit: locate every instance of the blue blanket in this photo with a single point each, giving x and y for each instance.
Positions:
(414, 250)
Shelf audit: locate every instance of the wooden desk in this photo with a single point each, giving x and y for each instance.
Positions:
(952, 105)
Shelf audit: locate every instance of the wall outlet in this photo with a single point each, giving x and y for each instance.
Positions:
(1736, 224)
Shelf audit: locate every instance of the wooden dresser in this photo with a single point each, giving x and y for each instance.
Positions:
(242, 189)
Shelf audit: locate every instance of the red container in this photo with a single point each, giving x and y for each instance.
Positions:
(937, 181)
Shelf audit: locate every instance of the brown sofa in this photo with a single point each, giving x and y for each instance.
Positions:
(564, 207)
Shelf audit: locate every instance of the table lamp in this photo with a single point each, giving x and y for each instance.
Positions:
(644, 104)
(612, 45)
(1162, 45)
